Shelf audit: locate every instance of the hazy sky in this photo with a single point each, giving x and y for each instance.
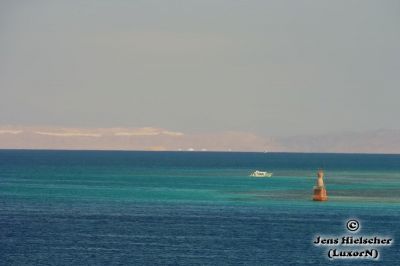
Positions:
(269, 67)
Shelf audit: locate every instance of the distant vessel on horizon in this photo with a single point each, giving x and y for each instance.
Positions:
(261, 174)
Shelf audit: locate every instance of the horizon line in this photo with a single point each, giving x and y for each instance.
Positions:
(194, 151)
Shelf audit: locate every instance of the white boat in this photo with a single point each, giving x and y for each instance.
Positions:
(261, 174)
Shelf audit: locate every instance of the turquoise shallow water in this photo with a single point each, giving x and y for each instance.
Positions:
(166, 208)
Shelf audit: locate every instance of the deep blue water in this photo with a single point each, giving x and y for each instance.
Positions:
(183, 208)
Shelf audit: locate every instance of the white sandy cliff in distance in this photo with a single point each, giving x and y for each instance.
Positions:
(144, 138)
(151, 138)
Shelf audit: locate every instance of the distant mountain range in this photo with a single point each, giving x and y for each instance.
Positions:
(159, 139)
(379, 141)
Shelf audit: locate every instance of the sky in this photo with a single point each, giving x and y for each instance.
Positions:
(272, 68)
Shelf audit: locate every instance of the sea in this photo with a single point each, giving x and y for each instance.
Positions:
(193, 208)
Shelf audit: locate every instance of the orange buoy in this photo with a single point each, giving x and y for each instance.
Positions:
(319, 190)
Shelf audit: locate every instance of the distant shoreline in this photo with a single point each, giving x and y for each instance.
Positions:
(195, 151)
